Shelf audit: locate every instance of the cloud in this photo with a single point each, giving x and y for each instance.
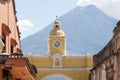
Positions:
(84, 2)
(25, 25)
(96, 2)
(110, 7)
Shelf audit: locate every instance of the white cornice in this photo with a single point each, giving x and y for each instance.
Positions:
(63, 69)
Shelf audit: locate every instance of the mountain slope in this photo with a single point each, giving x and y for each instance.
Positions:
(88, 30)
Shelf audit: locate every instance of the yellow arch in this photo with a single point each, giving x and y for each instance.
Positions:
(61, 75)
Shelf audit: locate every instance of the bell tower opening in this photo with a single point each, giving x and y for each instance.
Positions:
(57, 27)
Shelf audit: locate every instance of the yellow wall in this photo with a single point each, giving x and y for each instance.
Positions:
(72, 75)
(68, 62)
(53, 49)
(41, 61)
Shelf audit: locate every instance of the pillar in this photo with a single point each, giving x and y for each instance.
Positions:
(7, 44)
(53, 62)
(60, 62)
(102, 71)
(115, 67)
(92, 75)
(97, 74)
(103, 75)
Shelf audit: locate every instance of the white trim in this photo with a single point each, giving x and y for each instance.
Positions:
(55, 57)
(63, 69)
(67, 55)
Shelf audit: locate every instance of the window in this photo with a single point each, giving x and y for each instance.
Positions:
(11, 49)
(4, 41)
(57, 62)
(4, 38)
(7, 74)
(57, 27)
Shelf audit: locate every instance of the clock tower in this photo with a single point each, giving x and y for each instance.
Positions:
(57, 40)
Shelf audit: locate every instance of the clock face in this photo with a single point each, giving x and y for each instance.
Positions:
(57, 43)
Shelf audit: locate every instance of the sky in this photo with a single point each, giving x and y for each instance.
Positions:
(34, 15)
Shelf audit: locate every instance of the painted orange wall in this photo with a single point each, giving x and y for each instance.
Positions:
(8, 17)
(0, 74)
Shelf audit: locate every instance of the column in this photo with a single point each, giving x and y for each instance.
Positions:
(92, 75)
(60, 62)
(97, 74)
(53, 62)
(7, 44)
(101, 69)
(115, 68)
(103, 73)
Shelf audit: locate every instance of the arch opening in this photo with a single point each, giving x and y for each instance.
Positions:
(56, 77)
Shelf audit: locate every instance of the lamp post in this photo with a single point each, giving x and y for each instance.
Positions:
(6, 74)
(3, 57)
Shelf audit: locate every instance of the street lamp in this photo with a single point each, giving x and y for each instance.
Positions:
(7, 75)
(3, 57)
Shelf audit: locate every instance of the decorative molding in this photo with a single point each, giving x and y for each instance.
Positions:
(62, 69)
(57, 58)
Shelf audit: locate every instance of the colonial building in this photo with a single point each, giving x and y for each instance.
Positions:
(13, 65)
(106, 64)
(9, 32)
(57, 62)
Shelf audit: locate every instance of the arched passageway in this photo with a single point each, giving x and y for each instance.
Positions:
(56, 77)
